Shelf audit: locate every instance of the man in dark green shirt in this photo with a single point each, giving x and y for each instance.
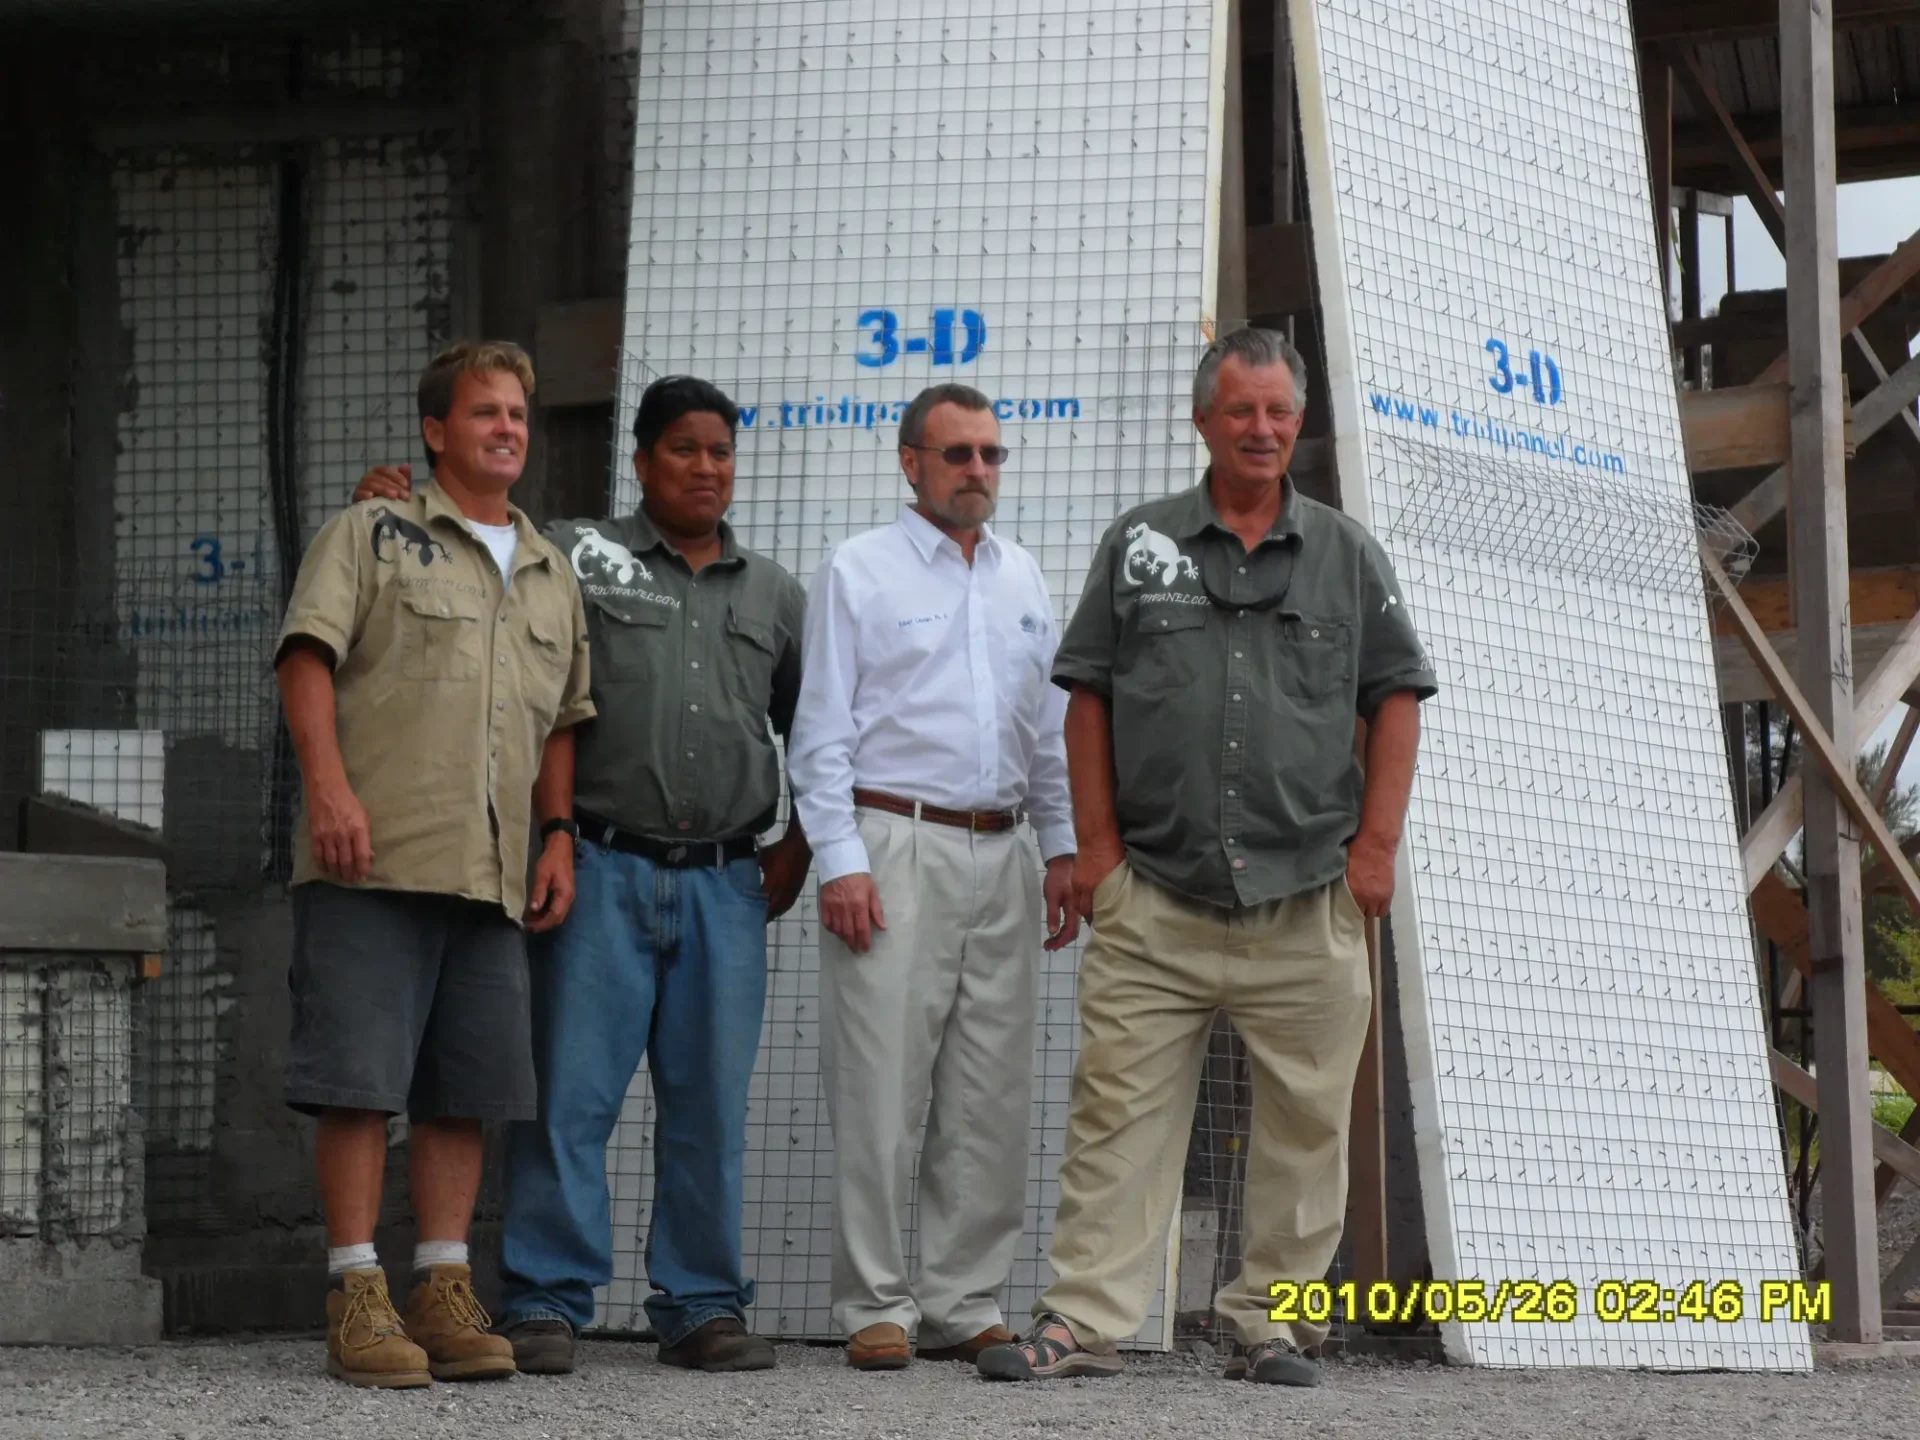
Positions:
(694, 665)
(1231, 851)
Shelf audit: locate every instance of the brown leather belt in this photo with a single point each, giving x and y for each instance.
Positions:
(976, 820)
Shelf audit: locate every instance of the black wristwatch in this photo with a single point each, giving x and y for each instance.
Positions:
(563, 825)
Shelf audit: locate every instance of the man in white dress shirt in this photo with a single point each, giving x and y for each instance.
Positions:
(925, 727)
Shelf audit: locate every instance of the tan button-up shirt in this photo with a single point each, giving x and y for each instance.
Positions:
(447, 683)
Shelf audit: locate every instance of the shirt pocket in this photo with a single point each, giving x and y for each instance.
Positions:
(1164, 649)
(751, 651)
(625, 642)
(547, 660)
(439, 636)
(1314, 660)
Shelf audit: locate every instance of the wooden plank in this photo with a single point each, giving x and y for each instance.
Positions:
(1891, 397)
(1892, 676)
(85, 903)
(1878, 286)
(1730, 19)
(576, 351)
(1888, 595)
(1230, 278)
(1817, 542)
(1279, 270)
(1888, 1147)
(1883, 783)
(1754, 181)
(1736, 428)
(1283, 134)
(1782, 917)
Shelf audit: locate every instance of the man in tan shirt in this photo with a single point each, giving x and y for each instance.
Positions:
(433, 660)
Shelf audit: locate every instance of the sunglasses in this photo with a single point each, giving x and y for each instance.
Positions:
(961, 454)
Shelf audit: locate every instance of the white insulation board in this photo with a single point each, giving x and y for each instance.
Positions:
(835, 205)
(1584, 1032)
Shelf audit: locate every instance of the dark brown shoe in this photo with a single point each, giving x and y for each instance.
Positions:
(969, 1350)
(879, 1347)
(721, 1344)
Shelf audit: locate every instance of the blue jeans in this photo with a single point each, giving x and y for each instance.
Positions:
(672, 964)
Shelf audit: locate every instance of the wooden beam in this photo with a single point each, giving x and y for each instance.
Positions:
(576, 352)
(1890, 770)
(1283, 151)
(1736, 19)
(1890, 398)
(1767, 838)
(1817, 550)
(1888, 596)
(1735, 428)
(1871, 141)
(1782, 917)
(1879, 285)
(1754, 181)
(1279, 270)
(1230, 310)
(1887, 1147)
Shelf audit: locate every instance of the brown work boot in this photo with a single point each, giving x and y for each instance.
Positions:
(366, 1344)
(879, 1347)
(722, 1344)
(444, 1317)
(968, 1350)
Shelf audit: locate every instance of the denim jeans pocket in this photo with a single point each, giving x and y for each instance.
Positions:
(744, 877)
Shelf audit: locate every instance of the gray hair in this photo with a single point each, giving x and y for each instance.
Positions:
(913, 424)
(1256, 349)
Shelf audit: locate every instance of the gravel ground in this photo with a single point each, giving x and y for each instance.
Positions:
(275, 1387)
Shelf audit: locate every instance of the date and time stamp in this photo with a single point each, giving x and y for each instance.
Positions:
(1551, 1302)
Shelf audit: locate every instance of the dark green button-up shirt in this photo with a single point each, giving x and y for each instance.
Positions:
(688, 671)
(1234, 680)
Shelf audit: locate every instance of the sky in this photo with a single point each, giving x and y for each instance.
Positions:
(1874, 217)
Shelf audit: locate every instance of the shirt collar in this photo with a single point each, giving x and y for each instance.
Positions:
(438, 505)
(643, 536)
(1197, 512)
(928, 537)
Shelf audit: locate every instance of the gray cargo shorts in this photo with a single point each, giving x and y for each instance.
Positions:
(404, 1001)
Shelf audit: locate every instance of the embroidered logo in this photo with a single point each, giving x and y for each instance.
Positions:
(1029, 624)
(611, 559)
(1152, 555)
(414, 540)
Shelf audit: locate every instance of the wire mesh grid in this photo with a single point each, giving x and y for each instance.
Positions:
(836, 204)
(70, 1137)
(1575, 949)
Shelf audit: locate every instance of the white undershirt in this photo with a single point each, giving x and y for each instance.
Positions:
(502, 540)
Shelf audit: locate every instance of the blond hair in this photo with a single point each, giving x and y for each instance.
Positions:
(468, 357)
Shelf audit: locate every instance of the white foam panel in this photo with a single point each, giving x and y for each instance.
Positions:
(836, 204)
(1584, 1030)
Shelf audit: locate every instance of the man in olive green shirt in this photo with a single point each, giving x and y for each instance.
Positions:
(432, 663)
(696, 666)
(1231, 852)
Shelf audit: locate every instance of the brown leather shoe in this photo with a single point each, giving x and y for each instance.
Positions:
(365, 1342)
(879, 1347)
(719, 1345)
(968, 1350)
(444, 1319)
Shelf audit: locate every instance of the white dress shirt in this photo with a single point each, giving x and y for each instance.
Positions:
(928, 678)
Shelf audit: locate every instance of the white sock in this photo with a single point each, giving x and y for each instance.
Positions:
(351, 1257)
(439, 1252)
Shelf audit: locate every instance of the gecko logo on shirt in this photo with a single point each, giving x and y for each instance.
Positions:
(611, 560)
(1029, 624)
(414, 540)
(1151, 555)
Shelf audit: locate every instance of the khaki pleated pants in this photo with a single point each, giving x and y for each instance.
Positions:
(935, 1021)
(1293, 977)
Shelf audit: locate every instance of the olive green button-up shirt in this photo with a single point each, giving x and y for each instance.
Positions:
(447, 682)
(689, 670)
(1234, 680)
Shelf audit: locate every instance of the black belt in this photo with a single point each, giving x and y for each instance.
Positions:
(674, 854)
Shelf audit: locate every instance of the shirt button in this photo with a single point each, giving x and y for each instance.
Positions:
(696, 664)
(1230, 794)
(1243, 569)
(689, 754)
(1316, 634)
(1238, 655)
(499, 704)
(1232, 841)
(503, 659)
(694, 708)
(1243, 614)
(696, 624)
(1236, 697)
(1233, 744)
(1163, 623)
(1239, 864)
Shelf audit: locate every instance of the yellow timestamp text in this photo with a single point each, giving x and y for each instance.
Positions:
(1550, 1302)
